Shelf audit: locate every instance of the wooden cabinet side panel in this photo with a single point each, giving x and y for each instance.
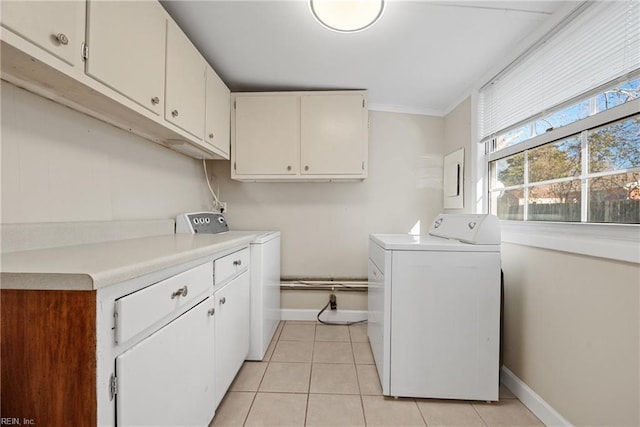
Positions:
(48, 356)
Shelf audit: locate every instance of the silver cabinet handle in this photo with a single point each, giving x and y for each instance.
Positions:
(174, 113)
(155, 100)
(180, 292)
(210, 136)
(211, 311)
(237, 262)
(223, 300)
(62, 39)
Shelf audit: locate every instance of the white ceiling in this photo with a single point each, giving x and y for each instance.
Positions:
(421, 57)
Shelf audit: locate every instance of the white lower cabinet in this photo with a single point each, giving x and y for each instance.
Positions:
(154, 350)
(167, 378)
(232, 306)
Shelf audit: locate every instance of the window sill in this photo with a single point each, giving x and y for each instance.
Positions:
(619, 242)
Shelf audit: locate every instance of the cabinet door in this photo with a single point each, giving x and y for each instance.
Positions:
(333, 134)
(231, 331)
(126, 42)
(167, 379)
(218, 111)
(55, 26)
(267, 135)
(185, 83)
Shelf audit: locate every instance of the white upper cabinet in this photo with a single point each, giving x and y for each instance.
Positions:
(333, 134)
(267, 135)
(185, 97)
(300, 136)
(142, 74)
(55, 26)
(218, 113)
(126, 41)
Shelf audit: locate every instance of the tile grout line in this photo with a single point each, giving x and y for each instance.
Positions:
(246, 417)
(364, 415)
(276, 337)
(424, 419)
(479, 414)
(313, 347)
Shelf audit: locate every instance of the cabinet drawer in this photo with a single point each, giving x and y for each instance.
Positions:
(228, 266)
(139, 310)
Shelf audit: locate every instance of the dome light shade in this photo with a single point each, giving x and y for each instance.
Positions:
(347, 16)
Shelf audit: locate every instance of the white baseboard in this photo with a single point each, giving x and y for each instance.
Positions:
(532, 400)
(328, 315)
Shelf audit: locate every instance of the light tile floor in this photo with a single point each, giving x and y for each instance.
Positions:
(319, 375)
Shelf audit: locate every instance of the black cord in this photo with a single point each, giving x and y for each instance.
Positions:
(336, 323)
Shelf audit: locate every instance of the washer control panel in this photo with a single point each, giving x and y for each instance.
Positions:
(478, 229)
(201, 222)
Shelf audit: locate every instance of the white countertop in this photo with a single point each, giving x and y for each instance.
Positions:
(97, 265)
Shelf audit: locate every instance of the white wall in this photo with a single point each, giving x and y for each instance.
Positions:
(325, 226)
(60, 165)
(572, 332)
(457, 128)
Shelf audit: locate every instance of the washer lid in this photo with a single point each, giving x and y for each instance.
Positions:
(413, 242)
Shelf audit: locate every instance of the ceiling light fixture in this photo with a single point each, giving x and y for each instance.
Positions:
(347, 16)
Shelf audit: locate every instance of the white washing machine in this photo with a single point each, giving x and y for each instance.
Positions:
(434, 309)
(264, 271)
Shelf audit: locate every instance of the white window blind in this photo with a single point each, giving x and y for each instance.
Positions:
(599, 45)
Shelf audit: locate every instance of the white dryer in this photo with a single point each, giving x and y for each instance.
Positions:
(265, 291)
(434, 309)
(264, 270)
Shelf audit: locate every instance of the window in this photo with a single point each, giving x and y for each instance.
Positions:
(560, 125)
(584, 167)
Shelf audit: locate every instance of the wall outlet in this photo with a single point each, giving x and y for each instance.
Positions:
(223, 207)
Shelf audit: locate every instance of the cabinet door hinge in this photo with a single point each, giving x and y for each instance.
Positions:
(362, 165)
(113, 386)
(234, 165)
(85, 51)
(363, 103)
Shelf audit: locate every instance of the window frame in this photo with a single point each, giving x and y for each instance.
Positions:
(614, 241)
